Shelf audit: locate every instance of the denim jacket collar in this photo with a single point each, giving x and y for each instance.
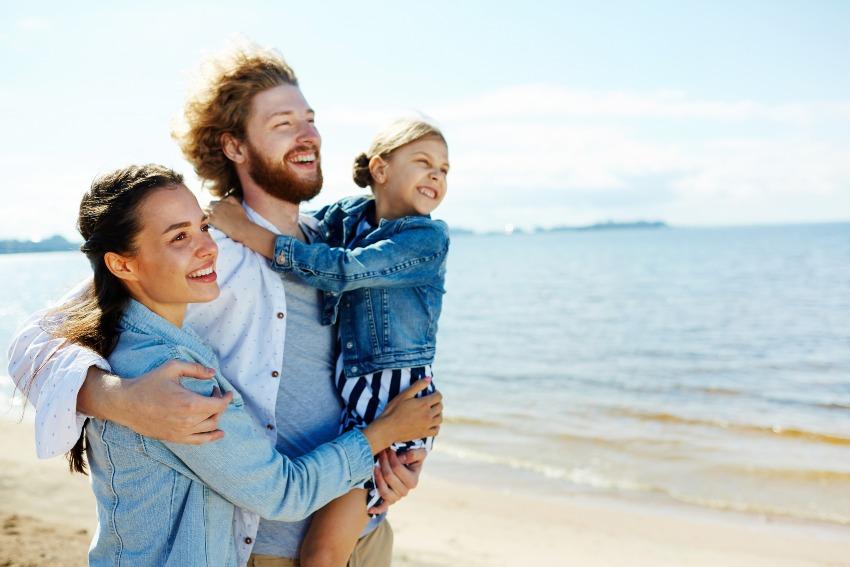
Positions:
(137, 316)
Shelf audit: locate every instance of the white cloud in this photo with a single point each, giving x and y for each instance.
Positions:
(543, 155)
(554, 101)
(33, 24)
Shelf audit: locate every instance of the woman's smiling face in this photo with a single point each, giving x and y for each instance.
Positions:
(173, 262)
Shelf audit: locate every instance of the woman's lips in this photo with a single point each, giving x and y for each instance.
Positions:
(204, 275)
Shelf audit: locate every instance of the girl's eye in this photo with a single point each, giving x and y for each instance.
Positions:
(205, 227)
(179, 236)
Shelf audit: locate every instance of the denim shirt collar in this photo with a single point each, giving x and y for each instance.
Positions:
(138, 317)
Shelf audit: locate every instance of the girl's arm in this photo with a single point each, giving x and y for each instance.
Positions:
(412, 256)
(229, 217)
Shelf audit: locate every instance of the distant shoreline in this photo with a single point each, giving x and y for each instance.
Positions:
(59, 244)
(52, 244)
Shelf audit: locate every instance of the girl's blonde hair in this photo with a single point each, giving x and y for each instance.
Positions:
(400, 133)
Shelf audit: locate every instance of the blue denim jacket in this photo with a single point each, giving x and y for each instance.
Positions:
(386, 288)
(161, 503)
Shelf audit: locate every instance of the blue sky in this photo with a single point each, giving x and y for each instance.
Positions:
(562, 113)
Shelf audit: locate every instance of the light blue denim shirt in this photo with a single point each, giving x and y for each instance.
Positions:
(385, 288)
(167, 504)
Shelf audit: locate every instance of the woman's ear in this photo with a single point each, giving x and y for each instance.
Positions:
(233, 148)
(122, 267)
(378, 169)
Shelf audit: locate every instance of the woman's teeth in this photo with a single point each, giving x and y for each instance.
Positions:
(202, 272)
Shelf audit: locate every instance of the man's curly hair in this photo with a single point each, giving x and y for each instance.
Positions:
(220, 104)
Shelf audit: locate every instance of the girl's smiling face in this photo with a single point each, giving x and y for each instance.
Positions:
(412, 179)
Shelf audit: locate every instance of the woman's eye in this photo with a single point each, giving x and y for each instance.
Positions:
(205, 227)
(179, 236)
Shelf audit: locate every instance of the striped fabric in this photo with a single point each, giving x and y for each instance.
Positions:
(365, 397)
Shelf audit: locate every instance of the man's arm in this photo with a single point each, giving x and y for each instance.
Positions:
(156, 404)
(67, 383)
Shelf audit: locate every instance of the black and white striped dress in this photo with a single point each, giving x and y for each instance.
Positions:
(364, 399)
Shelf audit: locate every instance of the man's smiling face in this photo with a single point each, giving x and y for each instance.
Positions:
(283, 145)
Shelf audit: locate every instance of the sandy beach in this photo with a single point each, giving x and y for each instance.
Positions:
(47, 518)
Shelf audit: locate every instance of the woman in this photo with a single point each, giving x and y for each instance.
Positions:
(162, 503)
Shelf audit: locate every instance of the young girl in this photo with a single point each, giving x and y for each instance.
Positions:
(381, 267)
(163, 503)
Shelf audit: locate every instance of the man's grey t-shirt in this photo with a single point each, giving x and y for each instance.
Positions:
(308, 408)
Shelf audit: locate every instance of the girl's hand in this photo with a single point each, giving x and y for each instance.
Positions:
(412, 417)
(229, 217)
(407, 417)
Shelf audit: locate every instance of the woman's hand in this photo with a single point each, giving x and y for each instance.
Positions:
(407, 417)
(229, 217)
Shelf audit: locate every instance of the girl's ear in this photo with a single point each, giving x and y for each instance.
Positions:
(122, 267)
(378, 169)
(233, 148)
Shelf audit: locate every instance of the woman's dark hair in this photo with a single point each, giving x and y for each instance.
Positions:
(109, 222)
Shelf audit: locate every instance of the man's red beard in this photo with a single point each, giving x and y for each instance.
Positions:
(279, 181)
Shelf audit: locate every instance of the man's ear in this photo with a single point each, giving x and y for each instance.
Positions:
(122, 267)
(378, 169)
(233, 148)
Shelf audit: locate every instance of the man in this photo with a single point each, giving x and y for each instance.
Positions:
(250, 133)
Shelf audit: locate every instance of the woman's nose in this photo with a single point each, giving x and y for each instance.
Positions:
(208, 247)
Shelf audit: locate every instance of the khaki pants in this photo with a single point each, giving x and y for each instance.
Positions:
(373, 550)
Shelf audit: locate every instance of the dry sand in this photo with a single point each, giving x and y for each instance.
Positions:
(47, 518)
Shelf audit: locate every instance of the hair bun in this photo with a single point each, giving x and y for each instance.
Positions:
(360, 172)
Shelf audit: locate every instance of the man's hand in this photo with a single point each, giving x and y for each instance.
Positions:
(397, 475)
(156, 404)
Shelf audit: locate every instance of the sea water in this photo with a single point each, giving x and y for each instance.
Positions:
(705, 366)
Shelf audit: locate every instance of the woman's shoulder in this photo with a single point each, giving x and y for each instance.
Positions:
(137, 353)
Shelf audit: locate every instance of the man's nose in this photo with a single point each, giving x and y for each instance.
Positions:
(308, 133)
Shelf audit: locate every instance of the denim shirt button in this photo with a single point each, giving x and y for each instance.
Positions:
(349, 344)
(248, 541)
(275, 373)
(269, 426)
(353, 369)
(280, 315)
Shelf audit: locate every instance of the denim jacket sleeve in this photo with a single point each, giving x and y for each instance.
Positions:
(245, 468)
(410, 257)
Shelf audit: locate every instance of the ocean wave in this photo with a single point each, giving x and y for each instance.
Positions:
(749, 508)
(585, 477)
(798, 475)
(775, 430)
(475, 422)
(576, 475)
